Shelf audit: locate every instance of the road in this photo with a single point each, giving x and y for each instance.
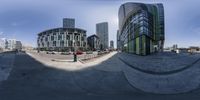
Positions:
(33, 80)
(6, 64)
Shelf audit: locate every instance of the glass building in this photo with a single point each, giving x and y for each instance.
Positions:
(141, 28)
(111, 44)
(102, 33)
(68, 22)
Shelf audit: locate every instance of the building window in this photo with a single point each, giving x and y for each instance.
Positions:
(46, 39)
(47, 44)
(78, 43)
(67, 37)
(77, 38)
(62, 43)
(70, 43)
(59, 37)
(52, 38)
(54, 43)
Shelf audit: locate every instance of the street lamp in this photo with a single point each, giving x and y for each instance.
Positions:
(75, 55)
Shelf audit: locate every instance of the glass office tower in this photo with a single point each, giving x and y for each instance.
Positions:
(102, 33)
(68, 22)
(141, 28)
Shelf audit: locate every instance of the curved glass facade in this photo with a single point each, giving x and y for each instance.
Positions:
(141, 28)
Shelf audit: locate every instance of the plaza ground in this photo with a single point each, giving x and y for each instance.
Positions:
(32, 76)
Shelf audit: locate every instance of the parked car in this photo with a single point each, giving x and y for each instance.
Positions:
(50, 52)
(100, 52)
(66, 53)
(79, 52)
(106, 51)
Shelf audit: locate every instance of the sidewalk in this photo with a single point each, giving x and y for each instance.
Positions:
(179, 82)
(70, 65)
(165, 63)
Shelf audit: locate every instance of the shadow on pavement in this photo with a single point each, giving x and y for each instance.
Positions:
(32, 80)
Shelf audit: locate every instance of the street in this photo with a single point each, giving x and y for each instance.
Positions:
(32, 80)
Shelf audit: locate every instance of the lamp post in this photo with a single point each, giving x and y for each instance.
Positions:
(75, 55)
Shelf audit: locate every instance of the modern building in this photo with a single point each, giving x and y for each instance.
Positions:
(183, 50)
(62, 39)
(141, 28)
(18, 45)
(93, 42)
(111, 44)
(194, 49)
(1, 45)
(102, 33)
(11, 44)
(174, 47)
(4, 43)
(68, 23)
(118, 40)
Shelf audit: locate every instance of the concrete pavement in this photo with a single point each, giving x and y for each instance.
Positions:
(160, 63)
(107, 79)
(184, 79)
(33, 80)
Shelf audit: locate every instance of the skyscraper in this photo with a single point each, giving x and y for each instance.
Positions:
(68, 23)
(111, 44)
(141, 28)
(118, 40)
(102, 33)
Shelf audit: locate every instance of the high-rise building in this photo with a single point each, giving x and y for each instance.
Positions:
(102, 33)
(118, 40)
(174, 47)
(93, 42)
(111, 44)
(141, 28)
(68, 23)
